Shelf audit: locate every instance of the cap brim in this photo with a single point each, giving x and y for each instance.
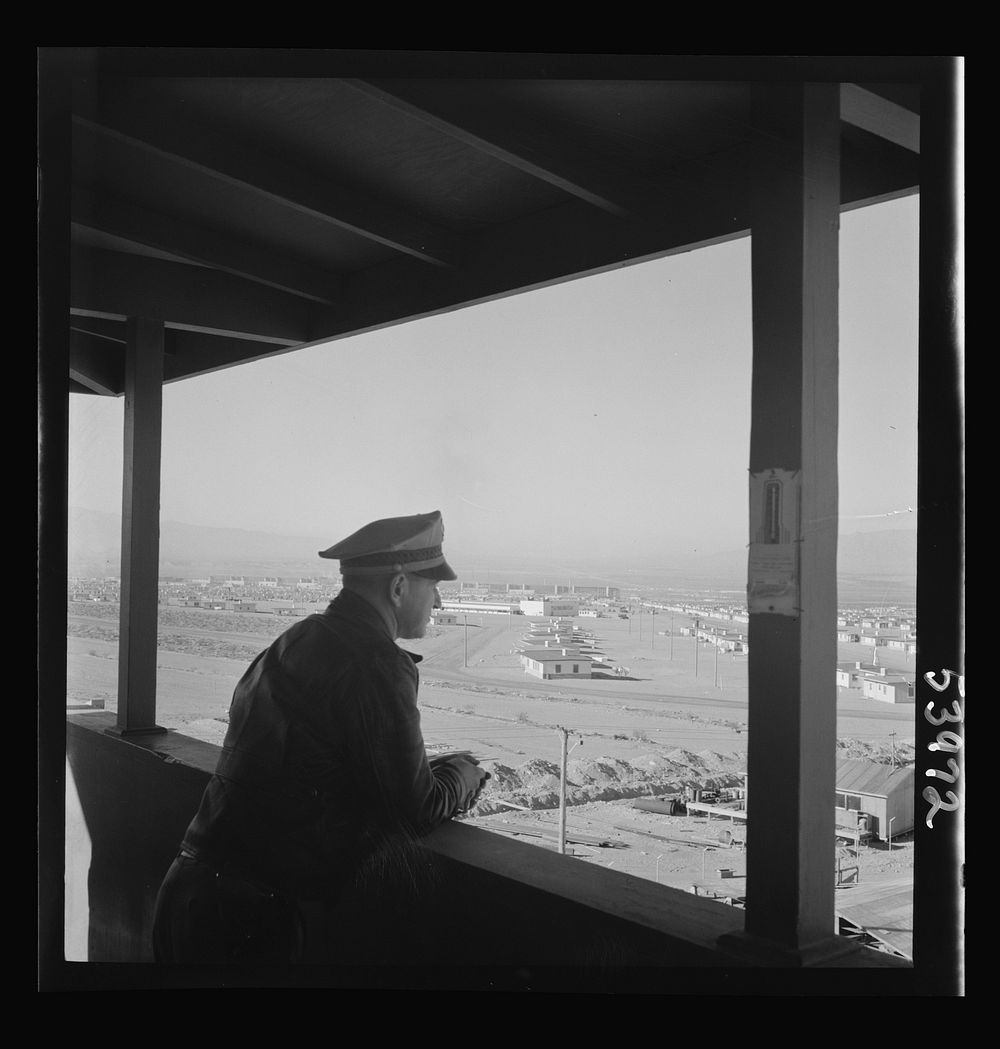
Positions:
(443, 571)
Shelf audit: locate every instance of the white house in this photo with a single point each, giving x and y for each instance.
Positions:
(850, 675)
(888, 689)
(547, 663)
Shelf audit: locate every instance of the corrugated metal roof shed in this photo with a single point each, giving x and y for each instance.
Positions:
(869, 777)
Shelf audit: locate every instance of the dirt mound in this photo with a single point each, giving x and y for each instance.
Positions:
(538, 772)
(882, 753)
(686, 759)
(602, 771)
(713, 759)
(535, 784)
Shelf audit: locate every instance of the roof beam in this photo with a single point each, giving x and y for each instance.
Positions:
(113, 285)
(564, 243)
(156, 131)
(879, 116)
(575, 240)
(97, 364)
(141, 226)
(189, 353)
(97, 356)
(97, 328)
(522, 144)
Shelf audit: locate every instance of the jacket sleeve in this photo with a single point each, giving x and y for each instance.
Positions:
(401, 790)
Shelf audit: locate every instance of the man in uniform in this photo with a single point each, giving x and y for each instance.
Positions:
(323, 768)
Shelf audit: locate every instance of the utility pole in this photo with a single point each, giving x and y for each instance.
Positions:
(466, 618)
(564, 754)
(562, 794)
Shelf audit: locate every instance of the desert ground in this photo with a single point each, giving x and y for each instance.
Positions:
(670, 724)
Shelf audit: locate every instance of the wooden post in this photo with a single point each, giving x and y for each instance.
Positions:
(54, 158)
(792, 657)
(562, 792)
(140, 529)
(939, 833)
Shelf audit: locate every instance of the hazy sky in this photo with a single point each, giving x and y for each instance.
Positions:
(603, 418)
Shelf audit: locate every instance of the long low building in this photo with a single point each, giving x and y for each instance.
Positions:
(547, 663)
(481, 607)
(889, 689)
(551, 606)
(876, 682)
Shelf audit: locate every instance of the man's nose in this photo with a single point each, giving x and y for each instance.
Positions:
(437, 598)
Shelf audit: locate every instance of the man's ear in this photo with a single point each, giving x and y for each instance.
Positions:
(398, 585)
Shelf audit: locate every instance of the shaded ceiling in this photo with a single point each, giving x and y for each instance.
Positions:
(256, 200)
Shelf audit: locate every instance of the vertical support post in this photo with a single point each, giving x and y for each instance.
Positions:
(54, 153)
(938, 875)
(792, 657)
(140, 528)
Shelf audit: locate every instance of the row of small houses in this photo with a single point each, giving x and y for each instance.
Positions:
(724, 640)
(277, 606)
(560, 649)
(906, 644)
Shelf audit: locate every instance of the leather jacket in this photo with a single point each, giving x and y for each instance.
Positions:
(323, 763)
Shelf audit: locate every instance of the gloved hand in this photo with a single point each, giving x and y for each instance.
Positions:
(472, 776)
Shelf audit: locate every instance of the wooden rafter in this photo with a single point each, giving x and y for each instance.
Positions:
(115, 286)
(870, 112)
(168, 137)
(519, 142)
(137, 225)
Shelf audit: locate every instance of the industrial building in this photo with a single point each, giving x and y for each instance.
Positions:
(874, 798)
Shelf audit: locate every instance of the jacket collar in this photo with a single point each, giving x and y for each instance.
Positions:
(356, 609)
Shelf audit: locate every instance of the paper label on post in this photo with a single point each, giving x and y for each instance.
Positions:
(773, 567)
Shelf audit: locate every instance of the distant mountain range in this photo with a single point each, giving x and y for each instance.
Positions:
(870, 560)
(194, 550)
